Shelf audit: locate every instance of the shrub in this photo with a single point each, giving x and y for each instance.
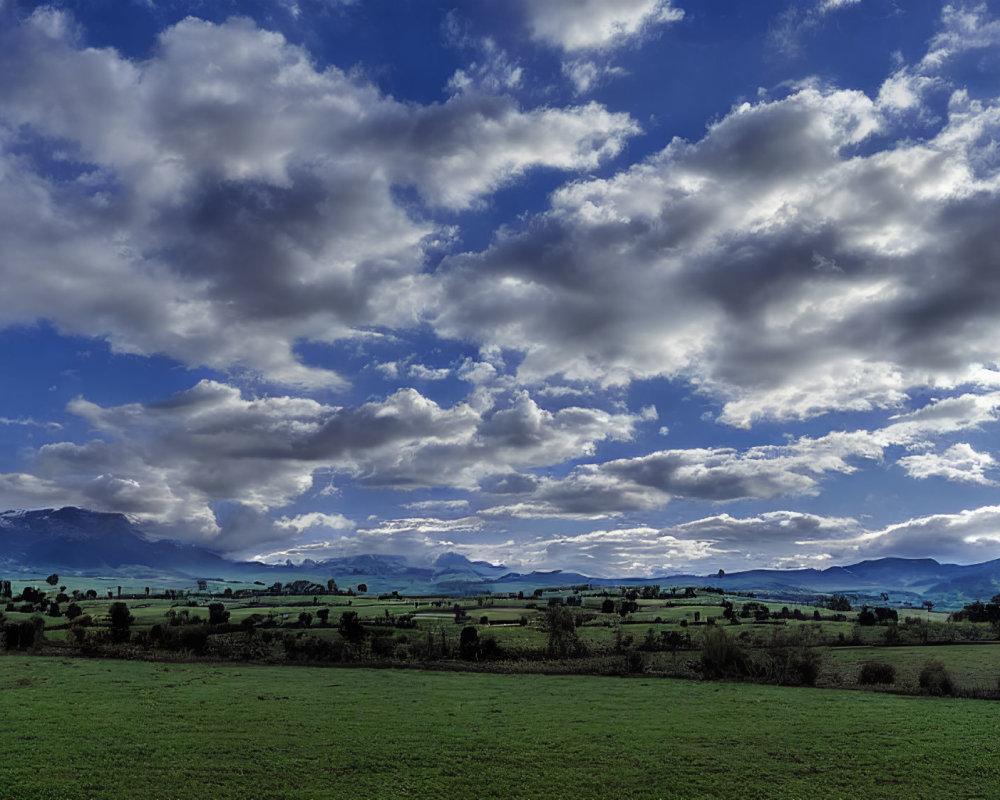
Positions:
(468, 645)
(935, 678)
(876, 672)
(804, 666)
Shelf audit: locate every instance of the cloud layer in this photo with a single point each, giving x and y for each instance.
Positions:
(439, 301)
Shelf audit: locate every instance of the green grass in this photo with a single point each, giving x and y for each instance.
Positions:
(117, 729)
(971, 665)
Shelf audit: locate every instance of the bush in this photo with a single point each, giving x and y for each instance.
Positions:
(935, 678)
(876, 672)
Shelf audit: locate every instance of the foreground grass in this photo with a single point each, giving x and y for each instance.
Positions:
(110, 729)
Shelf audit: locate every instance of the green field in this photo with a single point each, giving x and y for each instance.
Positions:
(78, 728)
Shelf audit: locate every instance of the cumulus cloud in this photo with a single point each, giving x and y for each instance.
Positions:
(315, 519)
(575, 25)
(965, 537)
(169, 463)
(772, 264)
(832, 5)
(645, 483)
(226, 198)
(959, 463)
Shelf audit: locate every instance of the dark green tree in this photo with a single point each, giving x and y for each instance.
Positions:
(564, 641)
(217, 614)
(350, 627)
(121, 620)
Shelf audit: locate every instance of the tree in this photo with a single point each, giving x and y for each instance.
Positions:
(121, 619)
(362, 588)
(217, 614)
(350, 627)
(867, 617)
(721, 657)
(608, 606)
(722, 573)
(564, 641)
(53, 579)
(305, 619)
(331, 586)
(838, 602)
(73, 611)
(323, 614)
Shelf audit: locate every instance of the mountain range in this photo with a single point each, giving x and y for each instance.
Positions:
(82, 543)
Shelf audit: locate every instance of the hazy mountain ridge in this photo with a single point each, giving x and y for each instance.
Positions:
(90, 543)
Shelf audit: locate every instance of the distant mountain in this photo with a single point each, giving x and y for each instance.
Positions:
(75, 541)
(93, 543)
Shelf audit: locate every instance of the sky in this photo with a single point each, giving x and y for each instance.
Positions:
(623, 287)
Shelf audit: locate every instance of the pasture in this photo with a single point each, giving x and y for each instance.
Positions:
(81, 728)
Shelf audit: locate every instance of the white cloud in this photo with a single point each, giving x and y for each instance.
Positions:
(229, 199)
(575, 25)
(587, 74)
(959, 463)
(966, 537)
(770, 264)
(426, 373)
(826, 6)
(649, 482)
(315, 519)
(964, 27)
(494, 71)
(170, 463)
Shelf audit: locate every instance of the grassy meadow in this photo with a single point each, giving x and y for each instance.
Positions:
(81, 728)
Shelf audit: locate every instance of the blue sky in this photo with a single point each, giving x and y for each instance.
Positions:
(625, 287)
